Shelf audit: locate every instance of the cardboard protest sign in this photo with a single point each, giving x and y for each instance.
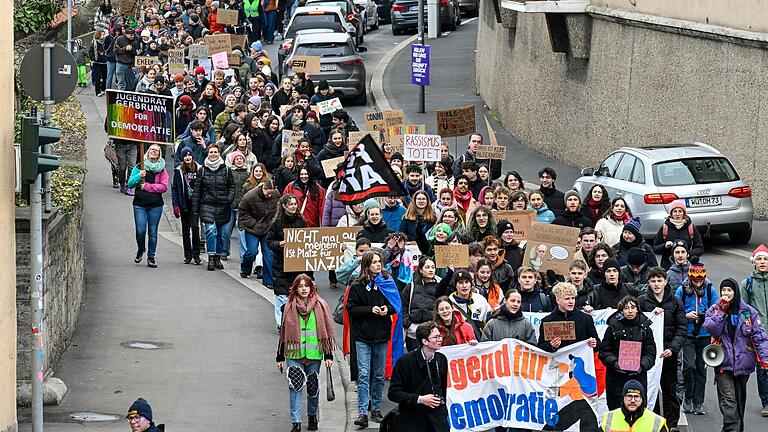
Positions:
(374, 122)
(395, 135)
(565, 330)
(394, 118)
(309, 64)
(218, 43)
(629, 355)
(220, 60)
(355, 137)
(140, 117)
(316, 249)
(422, 148)
(239, 40)
(330, 165)
(127, 6)
(520, 219)
(176, 61)
(290, 141)
(197, 52)
(233, 59)
(492, 150)
(551, 247)
(329, 106)
(456, 122)
(452, 255)
(147, 61)
(226, 16)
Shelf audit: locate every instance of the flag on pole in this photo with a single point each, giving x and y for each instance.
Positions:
(365, 173)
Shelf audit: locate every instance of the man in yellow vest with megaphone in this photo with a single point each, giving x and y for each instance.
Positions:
(633, 415)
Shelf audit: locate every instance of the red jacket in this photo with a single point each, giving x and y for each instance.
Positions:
(214, 26)
(313, 210)
(462, 330)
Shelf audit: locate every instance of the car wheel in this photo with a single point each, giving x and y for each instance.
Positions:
(396, 31)
(451, 26)
(361, 99)
(740, 237)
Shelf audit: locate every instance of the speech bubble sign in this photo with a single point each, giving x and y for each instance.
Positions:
(558, 252)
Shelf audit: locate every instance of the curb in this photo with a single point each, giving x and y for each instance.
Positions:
(380, 100)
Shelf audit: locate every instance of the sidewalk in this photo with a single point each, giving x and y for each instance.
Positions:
(452, 85)
(216, 366)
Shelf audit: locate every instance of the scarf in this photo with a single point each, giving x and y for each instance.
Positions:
(493, 293)
(389, 290)
(290, 332)
(678, 224)
(594, 208)
(626, 217)
(154, 167)
(213, 165)
(503, 311)
(464, 200)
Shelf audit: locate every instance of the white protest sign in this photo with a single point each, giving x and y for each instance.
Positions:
(329, 106)
(220, 60)
(422, 148)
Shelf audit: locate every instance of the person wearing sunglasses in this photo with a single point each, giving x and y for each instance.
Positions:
(140, 417)
(632, 414)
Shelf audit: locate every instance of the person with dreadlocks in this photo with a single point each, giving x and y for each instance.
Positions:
(306, 340)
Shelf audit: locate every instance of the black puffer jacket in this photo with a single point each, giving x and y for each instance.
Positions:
(282, 279)
(675, 323)
(375, 233)
(573, 219)
(419, 298)
(608, 296)
(213, 195)
(695, 245)
(587, 295)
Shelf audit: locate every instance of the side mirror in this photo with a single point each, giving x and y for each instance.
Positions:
(362, 49)
(588, 171)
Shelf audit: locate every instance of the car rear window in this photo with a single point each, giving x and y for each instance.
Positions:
(323, 21)
(325, 49)
(341, 5)
(694, 171)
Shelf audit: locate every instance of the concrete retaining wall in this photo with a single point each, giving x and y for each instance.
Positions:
(637, 86)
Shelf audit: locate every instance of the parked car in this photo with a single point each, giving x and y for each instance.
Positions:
(384, 8)
(651, 178)
(470, 7)
(340, 63)
(370, 13)
(351, 11)
(405, 14)
(314, 17)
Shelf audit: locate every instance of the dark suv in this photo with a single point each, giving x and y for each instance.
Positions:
(405, 15)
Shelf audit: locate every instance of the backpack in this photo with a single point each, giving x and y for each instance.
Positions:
(749, 289)
(665, 231)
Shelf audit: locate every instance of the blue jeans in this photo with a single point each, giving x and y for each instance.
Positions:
(280, 300)
(270, 19)
(226, 233)
(370, 358)
(252, 243)
(762, 385)
(213, 238)
(111, 68)
(143, 218)
(301, 375)
(126, 80)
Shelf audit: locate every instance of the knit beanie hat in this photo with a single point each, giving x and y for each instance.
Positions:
(199, 70)
(760, 251)
(504, 225)
(697, 270)
(256, 46)
(678, 204)
(140, 407)
(234, 155)
(633, 226)
(571, 193)
(255, 101)
(186, 100)
(636, 256)
(634, 387)
(680, 243)
(271, 85)
(185, 151)
(611, 263)
(369, 204)
(311, 115)
(462, 275)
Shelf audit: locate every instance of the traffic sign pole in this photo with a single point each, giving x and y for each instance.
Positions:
(37, 303)
(47, 104)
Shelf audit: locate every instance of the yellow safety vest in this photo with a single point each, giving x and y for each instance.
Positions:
(613, 421)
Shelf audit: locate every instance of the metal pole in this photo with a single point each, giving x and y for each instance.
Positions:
(36, 302)
(69, 25)
(47, 104)
(422, 89)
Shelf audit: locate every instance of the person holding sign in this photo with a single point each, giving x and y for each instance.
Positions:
(476, 140)
(566, 312)
(628, 350)
(151, 181)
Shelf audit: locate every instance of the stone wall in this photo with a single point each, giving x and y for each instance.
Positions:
(636, 85)
(64, 285)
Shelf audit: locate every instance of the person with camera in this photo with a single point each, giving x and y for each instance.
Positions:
(418, 385)
(735, 326)
(697, 295)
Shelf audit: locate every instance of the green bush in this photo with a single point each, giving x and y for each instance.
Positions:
(34, 15)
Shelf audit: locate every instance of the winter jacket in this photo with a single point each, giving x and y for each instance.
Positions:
(410, 226)
(463, 331)
(256, 211)
(411, 189)
(215, 106)
(535, 300)
(97, 52)
(748, 336)
(213, 194)
(573, 219)
(506, 325)
(608, 296)
(182, 188)
(758, 298)
(410, 380)
(123, 55)
(310, 207)
(365, 326)
(503, 272)
(330, 151)
(493, 164)
(419, 300)
(638, 282)
(677, 274)
(349, 219)
(250, 158)
(325, 120)
(284, 177)
(543, 214)
(583, 323)
(695, 245)
(438, 183)
(393, 216)
(611, 230)
(675, 324)
(333, 209)
(693, 302)
(554, 199)
(476, 310)
(513, 255)
(587, 295)
(199, 153)
(375, 233)
(621, 251)
(150, 195)
(239, 176)
(282, 279)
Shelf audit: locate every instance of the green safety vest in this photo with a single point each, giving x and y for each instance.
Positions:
(251, 8)
(310, 347)
(613, 421)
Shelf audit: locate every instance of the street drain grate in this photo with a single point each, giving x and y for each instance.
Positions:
(145, 345)
(93, 417)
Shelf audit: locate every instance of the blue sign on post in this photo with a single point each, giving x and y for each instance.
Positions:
(420, 65)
